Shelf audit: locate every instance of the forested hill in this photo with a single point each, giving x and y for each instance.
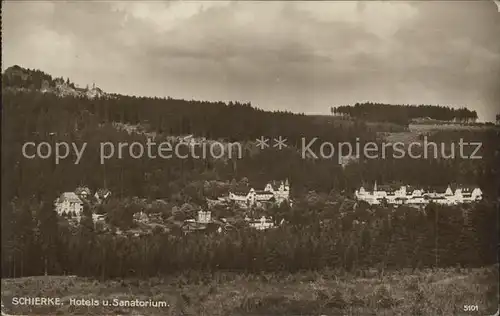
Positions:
(232, 121)
(402, 114)
(33, 116)
(20, 79)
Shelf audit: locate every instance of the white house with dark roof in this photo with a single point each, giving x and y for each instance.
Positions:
(69, 203)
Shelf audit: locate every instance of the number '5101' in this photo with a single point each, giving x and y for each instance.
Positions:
(471, 308)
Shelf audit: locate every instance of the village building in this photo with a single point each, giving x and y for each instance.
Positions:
(99, 220)
(260, 224)
(204, 217)
(98, 217)
(204, 223)
(272, 193)
(141, 217)
(410, 196)
(69, 204)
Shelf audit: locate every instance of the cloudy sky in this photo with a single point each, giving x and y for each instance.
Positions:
(299, 56)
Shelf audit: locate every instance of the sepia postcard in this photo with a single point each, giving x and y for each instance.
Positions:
(250, 158)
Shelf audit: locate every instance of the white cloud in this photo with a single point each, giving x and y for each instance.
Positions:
(219, 50)
(378, 17)
(165, 16)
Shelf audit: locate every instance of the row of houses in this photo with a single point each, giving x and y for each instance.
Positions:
(71, 205)
(411, 196)
(273, 193)
(205, 222)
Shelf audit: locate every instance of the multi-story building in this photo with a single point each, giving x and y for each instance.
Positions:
(69, 203)
(260, 224)
(271, 193)
(406, 195)
(204, 217)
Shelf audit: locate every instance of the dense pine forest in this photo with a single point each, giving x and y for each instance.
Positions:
(326, 227)
(349, 240)
(404, 114)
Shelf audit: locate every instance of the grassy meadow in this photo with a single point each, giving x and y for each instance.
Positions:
(425, 292)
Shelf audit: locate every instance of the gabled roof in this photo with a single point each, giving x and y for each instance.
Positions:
(70, 197)
(381, 187)
(274, 185)
(467, 189)
(242, 192)
(386, 187)
(263, 192)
